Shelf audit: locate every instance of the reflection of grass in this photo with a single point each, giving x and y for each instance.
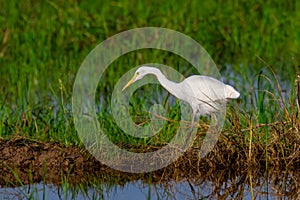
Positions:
(225, 182)
(43, 43)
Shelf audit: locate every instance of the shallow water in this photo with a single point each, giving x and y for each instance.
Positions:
(138, 190)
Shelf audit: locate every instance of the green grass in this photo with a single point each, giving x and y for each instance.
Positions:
(43, 43)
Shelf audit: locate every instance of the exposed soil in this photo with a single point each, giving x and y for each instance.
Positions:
(32, 162)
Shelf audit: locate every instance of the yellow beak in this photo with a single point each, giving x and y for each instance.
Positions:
(130, 82)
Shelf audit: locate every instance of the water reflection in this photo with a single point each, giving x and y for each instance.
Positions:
(245, 186)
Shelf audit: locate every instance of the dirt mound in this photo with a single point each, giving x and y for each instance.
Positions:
(24, 161)
(30, 161)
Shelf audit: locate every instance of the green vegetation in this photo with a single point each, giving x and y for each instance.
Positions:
(255, 44)
(43, 43)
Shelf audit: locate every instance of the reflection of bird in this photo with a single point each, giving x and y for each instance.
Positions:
(202, 92)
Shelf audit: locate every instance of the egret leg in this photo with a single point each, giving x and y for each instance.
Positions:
(215, 122)
(191, 131)
(211, 137)
(193, 120)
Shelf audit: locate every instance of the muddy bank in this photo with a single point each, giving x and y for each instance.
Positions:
(34, 161)
(27, 161)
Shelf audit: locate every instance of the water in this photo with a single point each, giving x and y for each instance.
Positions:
(231, 189)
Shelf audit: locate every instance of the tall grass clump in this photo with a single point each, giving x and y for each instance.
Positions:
(267, 134)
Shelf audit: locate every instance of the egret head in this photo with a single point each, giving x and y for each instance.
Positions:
(139, 74)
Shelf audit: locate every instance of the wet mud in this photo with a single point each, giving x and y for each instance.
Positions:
(24, 161)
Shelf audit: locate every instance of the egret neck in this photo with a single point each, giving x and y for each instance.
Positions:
(170, 86)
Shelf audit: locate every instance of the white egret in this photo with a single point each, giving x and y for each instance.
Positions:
(202, 93)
